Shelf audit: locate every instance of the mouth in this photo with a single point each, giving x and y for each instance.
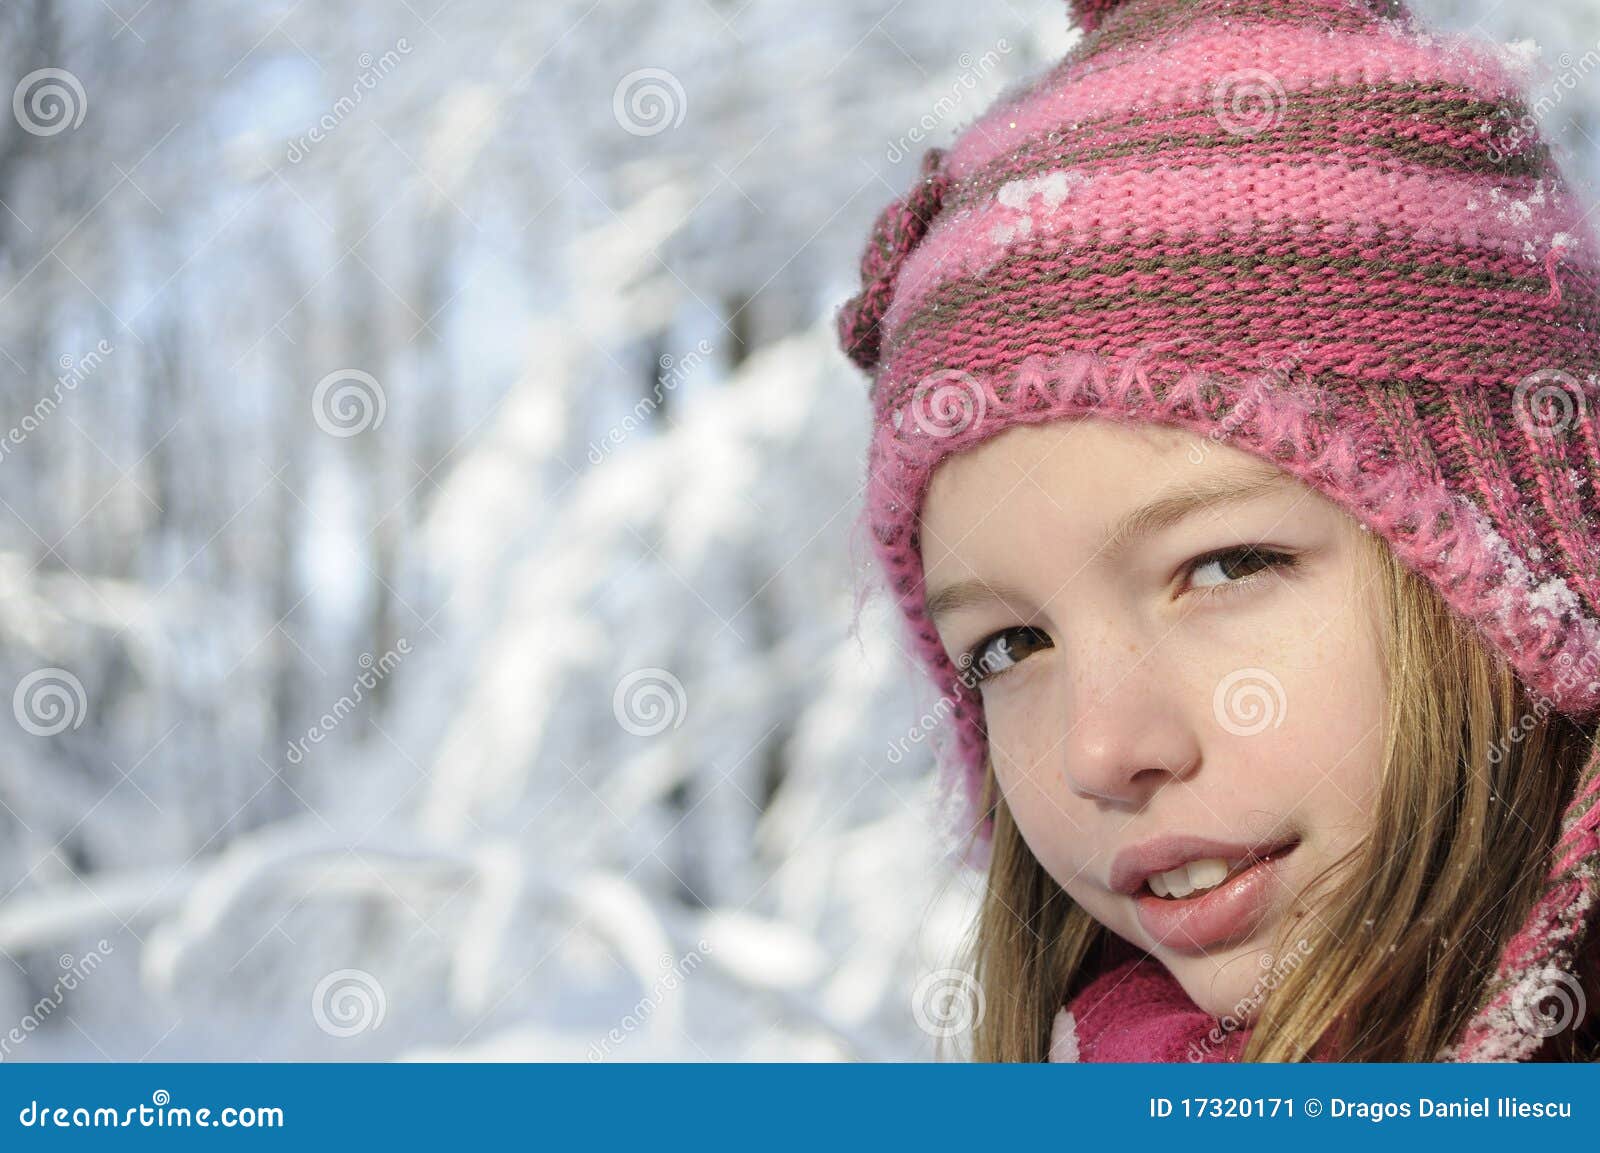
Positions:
(1209, 902)
(1193, 879)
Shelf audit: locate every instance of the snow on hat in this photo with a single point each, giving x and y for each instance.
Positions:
(1307, 227)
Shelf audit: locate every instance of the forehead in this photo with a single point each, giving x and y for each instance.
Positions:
(1083, 448)
(1028, 445)
(1076, 476)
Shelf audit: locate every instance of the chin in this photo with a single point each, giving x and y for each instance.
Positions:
(1226, 983)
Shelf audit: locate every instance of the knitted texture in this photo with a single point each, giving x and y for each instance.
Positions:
(1308, 229)
(1137, 1011)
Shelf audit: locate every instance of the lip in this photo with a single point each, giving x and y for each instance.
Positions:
(1228, 913)
(1132, 865)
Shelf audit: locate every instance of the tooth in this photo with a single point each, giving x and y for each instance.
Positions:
(1196, 876)
(1208, 873)
(1177, 882)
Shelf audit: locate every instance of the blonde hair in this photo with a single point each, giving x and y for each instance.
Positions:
(1415, 917)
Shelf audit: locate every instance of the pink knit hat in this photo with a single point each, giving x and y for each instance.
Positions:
(1307, 227)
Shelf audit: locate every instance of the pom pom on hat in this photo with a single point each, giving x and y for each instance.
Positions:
(1087, 14)
(1090, 14)
(899, 229)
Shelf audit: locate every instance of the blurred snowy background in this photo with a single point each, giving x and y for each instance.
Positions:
(426, 477)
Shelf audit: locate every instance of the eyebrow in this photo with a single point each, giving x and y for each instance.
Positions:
(1235, 487)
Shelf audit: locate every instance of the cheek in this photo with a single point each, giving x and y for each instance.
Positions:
(1057, 824)
(1335, 763)
(1313, 735)
(1314, 774)
(1341, 693)
(1069, 835)
(1027, 743)
(1070, 840)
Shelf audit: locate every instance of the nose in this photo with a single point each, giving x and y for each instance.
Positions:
(1127, 733)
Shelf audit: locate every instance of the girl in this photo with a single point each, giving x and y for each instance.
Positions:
(1235, 470)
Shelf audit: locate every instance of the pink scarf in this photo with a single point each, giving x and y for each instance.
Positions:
(1137, 1011)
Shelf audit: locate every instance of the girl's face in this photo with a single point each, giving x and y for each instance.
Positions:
(1180, 656)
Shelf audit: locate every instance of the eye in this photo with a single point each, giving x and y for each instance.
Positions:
(1226, 569)
(1003, 651)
